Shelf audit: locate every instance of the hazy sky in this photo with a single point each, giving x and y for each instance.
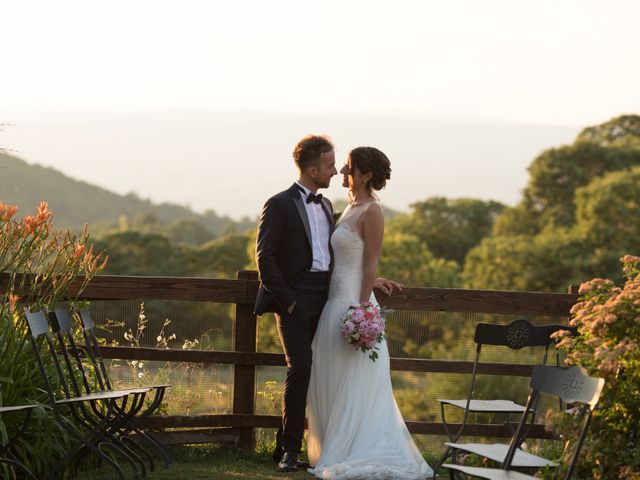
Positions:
(569, 62)
(125, 94)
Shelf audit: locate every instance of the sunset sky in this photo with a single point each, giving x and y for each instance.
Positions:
(566, 63)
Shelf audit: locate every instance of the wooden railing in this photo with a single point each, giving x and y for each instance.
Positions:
(242, 292)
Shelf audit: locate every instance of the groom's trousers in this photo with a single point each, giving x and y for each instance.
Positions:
(296, 332)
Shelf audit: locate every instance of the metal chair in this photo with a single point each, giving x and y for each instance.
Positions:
(6, 455)
(571, 385)
(89, 432)
(92, 347)
(515, 335)
(124, 409)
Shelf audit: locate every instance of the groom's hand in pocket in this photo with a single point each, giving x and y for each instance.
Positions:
(387, 286)
(291, 307)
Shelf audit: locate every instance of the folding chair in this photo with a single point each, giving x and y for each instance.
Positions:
(6, 455)
(515, 335)
(93, 350)
(89, 432)
(131, 416)
(124, 410)
(571, 385)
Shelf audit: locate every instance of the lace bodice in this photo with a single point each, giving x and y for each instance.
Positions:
(348, 249)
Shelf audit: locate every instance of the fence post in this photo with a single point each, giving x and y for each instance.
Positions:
(244, 376)
(573, 289)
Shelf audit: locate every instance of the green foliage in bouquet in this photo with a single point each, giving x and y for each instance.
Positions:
(38, 265)
(608, 320)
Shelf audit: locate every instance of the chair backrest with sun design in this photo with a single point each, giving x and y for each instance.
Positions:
(573, 386)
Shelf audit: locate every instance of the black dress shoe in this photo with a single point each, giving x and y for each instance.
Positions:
(277, 454)
(302, 464)
(289, 463)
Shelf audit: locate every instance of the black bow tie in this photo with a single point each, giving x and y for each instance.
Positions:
(312, 197)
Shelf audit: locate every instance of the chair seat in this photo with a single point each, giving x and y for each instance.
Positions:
(129, 391)
(161, 385)
(16, 408)
(142, 388)
(498, 452)
(490, 473)
(498, 406)
(92, 397)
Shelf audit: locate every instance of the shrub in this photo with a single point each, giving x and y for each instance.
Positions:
(608, 320)
(38, 266)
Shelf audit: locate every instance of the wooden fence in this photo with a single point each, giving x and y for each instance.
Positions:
(239, 426)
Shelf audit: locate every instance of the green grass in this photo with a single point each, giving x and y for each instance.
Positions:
(218, 462)
(210, 462)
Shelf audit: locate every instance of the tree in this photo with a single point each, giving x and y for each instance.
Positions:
(555, 175)
(518, 220)
(544, 263)
(608, 222)
(449, 227)
(607, 226)
(136, 253)
(223, 257)
(188, 232)
(251, 250)
(624, 129)
(578, 215)
(408, 260)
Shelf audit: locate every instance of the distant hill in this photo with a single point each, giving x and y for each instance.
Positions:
(75, 202)
(232, 161)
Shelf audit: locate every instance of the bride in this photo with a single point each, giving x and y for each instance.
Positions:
(356, 430)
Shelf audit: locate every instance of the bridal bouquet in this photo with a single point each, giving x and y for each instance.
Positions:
(363, 327)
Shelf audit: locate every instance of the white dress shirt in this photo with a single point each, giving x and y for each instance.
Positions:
(320, 232)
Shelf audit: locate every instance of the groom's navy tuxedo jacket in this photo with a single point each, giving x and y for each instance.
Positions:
(283, 248)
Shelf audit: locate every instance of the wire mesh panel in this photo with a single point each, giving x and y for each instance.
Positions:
(208, 388)
(205, 325)
(267, 336)
(197, 388)
(269, 389)
(269, 379)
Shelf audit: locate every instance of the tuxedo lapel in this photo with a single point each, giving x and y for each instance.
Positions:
(327, 211)
(302, 211)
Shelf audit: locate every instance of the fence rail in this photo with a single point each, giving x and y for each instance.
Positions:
(242, 292)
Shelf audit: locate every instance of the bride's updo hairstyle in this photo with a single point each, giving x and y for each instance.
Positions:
(370, 159)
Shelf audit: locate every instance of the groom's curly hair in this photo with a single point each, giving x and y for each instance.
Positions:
(309, 149)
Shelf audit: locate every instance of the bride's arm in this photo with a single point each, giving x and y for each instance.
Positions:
(372, 234)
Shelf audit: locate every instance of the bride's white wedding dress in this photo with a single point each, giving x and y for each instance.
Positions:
(356, 430)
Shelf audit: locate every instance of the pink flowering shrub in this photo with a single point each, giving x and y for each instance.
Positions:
(608, 321)
(363, 327)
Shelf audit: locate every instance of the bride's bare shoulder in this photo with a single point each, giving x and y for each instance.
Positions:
(374, 207)
(372, 213)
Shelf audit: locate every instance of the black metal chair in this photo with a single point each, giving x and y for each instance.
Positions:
(571, 385)
(124, 409)
(90, 432)
(516, 335)
(6, 455)
(92, 347)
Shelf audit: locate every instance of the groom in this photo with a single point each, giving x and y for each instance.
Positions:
(294, 259)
